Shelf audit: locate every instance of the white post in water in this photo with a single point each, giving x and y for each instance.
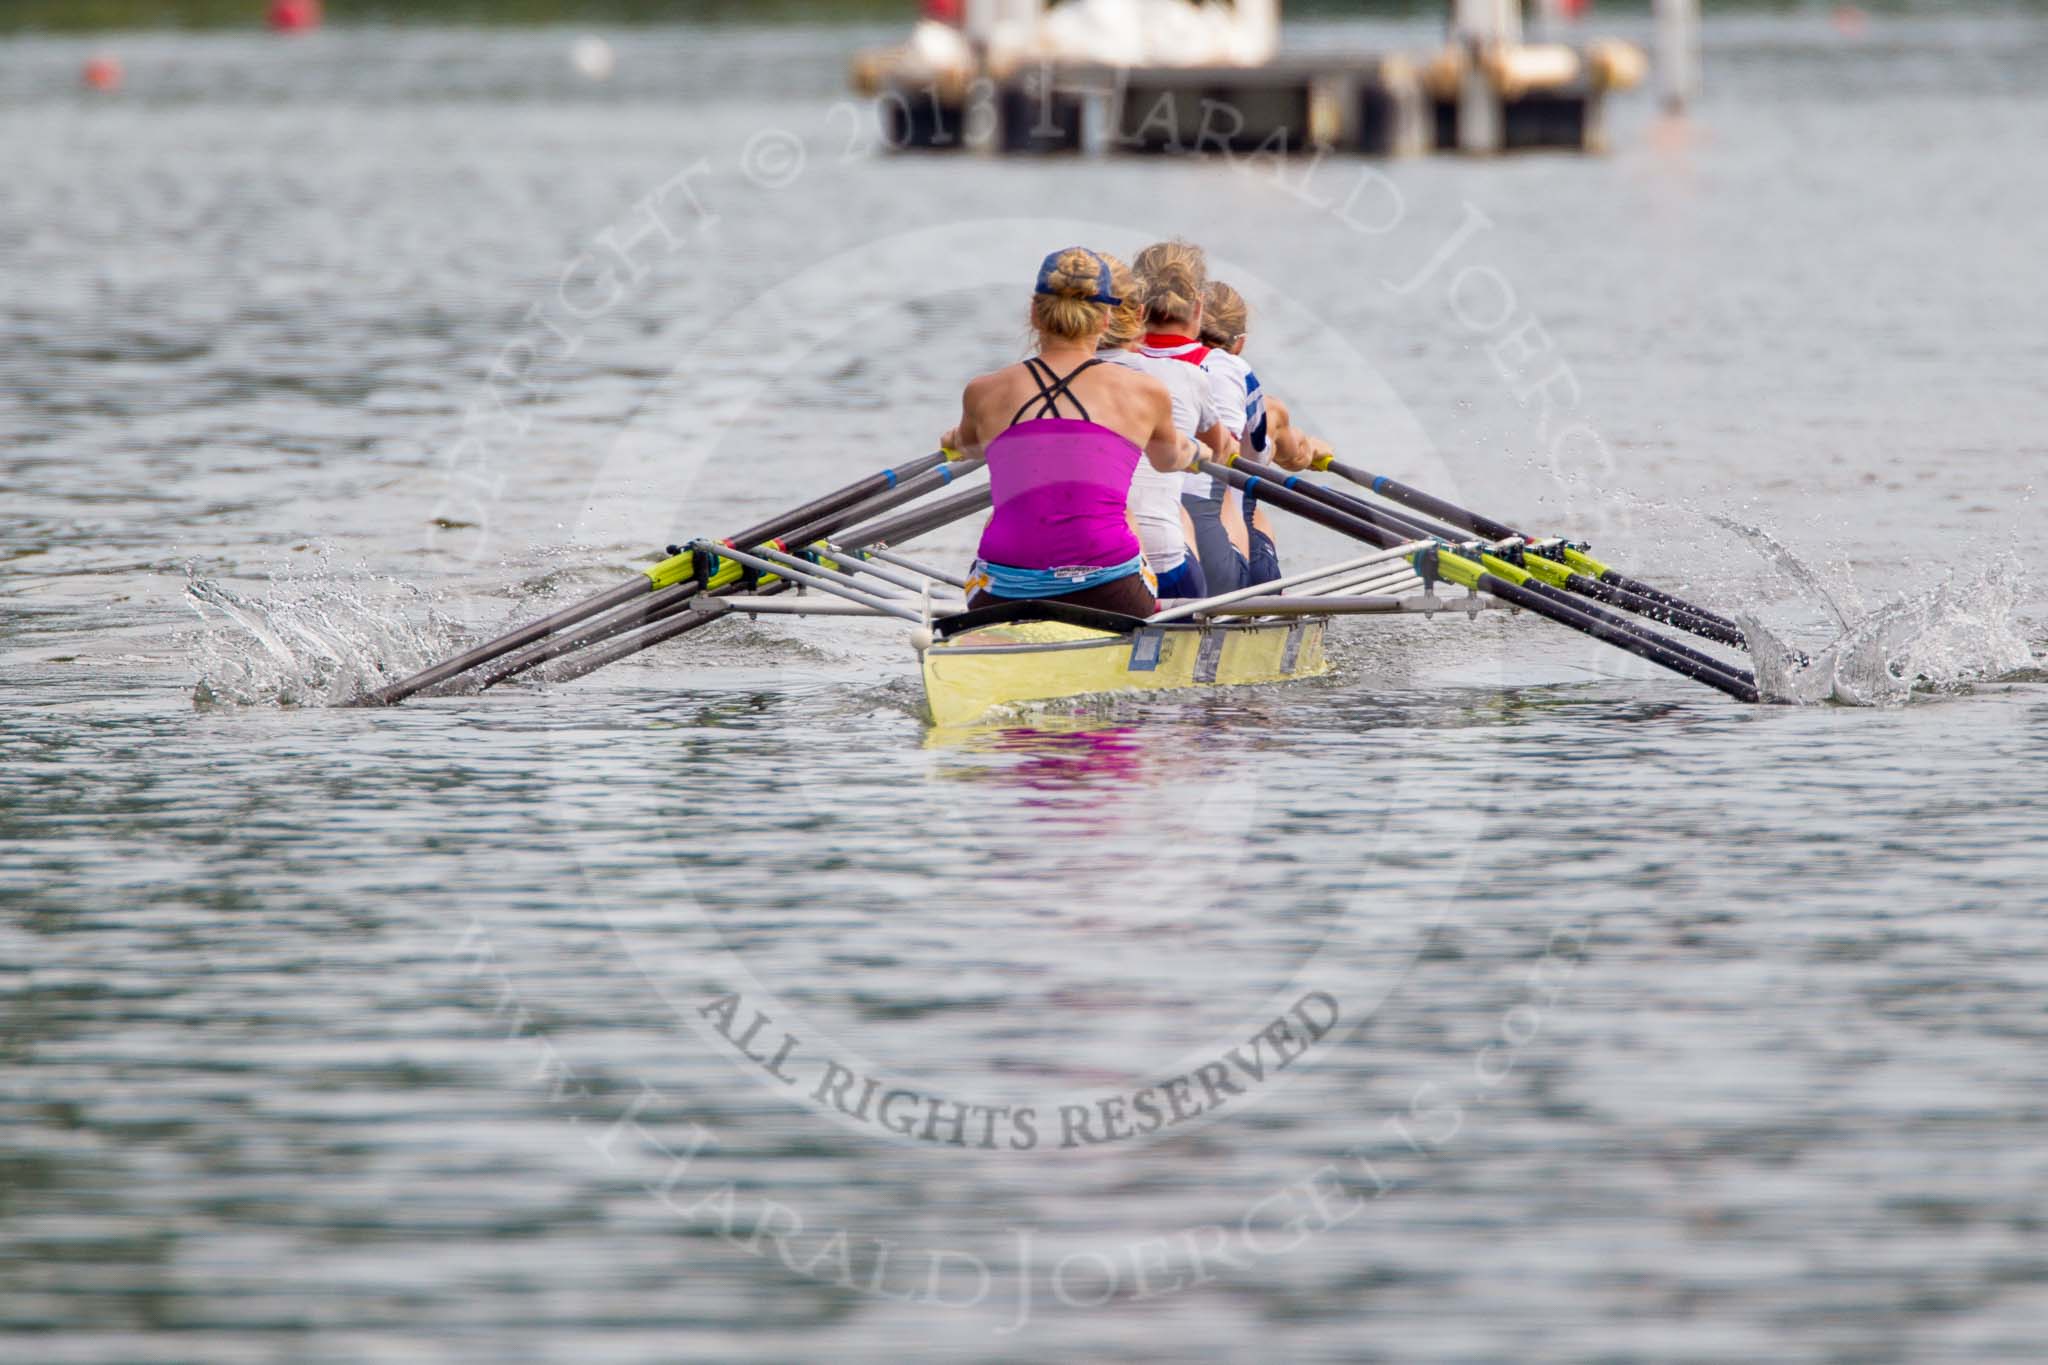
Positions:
(1678, 53)
(978, 25)
(1479, 29)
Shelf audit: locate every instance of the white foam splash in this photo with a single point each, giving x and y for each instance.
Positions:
(312, 639)
(1962, 631)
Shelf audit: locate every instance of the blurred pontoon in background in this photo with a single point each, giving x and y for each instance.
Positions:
(1175, 76)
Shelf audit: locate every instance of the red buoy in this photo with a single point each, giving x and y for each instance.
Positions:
(294, 16)
(103, 72)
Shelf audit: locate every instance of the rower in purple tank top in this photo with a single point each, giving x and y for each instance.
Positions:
(1063, 434)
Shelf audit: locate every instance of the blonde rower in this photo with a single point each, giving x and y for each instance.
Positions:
(1064, 432)
(1233, 541)
(1162, 524)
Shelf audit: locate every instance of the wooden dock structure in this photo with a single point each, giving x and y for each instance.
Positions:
(1485, 92)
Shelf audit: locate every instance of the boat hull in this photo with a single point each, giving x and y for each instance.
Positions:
(1022, 662)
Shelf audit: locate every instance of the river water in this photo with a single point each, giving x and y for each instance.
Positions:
(1495, 999)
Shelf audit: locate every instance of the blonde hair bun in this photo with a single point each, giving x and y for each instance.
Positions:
(1075, 273)
(1172, 276)
(1075, 292)
(1225, 317)
(1127, 319)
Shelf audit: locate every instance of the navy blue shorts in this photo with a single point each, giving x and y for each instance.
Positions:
(1186, 580)
(1225, 569)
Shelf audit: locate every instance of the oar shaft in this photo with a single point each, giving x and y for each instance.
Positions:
(651, 581)
(919, 520)
(1486, 528)
(1309, 509)
(1653, 606)
(1688, 619)
(1543, 600)
(895, 530)
(1591, 612)
(665, 602)
(1723, 630)
(1673, 654)
(505, 644)
(681, 623)
(775, 528)
(655, 606)
(907, 491)
(1592, 567)
(1406, 525)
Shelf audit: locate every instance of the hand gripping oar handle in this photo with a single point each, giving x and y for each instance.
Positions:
(675, 569)
(1393, 490)
(1517, 587)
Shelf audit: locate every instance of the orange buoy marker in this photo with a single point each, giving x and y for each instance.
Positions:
(103, 72)
(294, 16)
(1851, 21)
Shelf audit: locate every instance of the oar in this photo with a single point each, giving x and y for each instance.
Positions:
(679, 623)
(1487, 573)
(1489, 529)
(1531, 559)
(905, 526)
(677, 568)
(667, 601)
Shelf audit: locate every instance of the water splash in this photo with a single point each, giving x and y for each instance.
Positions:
(1840, 596)
(1962, 631)
(318, 638)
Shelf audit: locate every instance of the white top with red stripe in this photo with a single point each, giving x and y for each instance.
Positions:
(1155, 497)
(1226, 377)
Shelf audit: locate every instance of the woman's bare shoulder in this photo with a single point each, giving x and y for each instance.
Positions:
(992, 382)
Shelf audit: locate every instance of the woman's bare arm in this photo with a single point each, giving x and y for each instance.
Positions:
(1217, 437)
(967, 438)
(1166, 448)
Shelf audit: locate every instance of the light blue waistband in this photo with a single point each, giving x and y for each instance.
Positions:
(1005, 581)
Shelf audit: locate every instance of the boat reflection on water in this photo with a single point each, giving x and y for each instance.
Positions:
(1109, 741)
(1052, 752)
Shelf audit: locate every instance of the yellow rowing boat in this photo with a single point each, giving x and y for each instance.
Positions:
(1014, 663)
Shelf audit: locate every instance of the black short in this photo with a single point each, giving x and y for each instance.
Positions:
(1128, 595)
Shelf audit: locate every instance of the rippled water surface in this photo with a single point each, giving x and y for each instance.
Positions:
(715, 1007)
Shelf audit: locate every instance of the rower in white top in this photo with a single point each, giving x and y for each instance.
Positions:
(1164, 530)
(1199, 323)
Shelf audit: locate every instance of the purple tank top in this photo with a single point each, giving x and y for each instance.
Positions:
(1060, 486)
